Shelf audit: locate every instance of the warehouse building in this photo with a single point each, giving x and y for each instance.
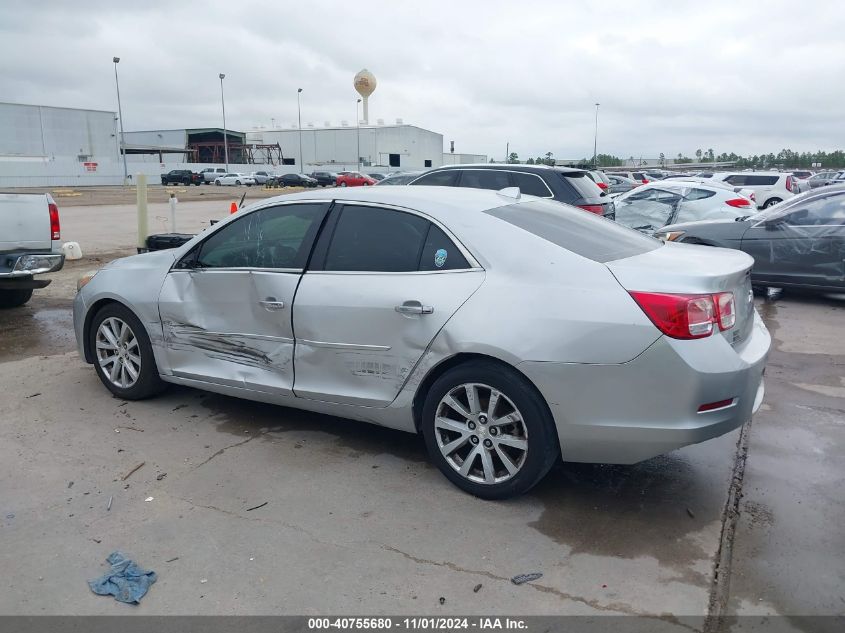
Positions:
(399, 146)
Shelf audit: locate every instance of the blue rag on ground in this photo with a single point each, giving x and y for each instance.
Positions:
(126, 581)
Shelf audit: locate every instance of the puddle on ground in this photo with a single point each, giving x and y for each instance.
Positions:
(241, 416)
(42, 327)
(654, 508)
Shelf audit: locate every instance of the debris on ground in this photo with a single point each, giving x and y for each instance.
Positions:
(129, 474)
(523, 578)
(148, 499)
(108, 507)
(70, 484)
(172, 559)
(34, 395)
(161, 476)
(442, 600)
(261, 505)
(690, 513)
(203, 581)
(10, 516)
(477, 588)
(126, 581)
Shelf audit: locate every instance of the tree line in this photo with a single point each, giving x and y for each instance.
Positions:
(786, 158)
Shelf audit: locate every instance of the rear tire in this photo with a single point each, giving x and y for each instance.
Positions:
(514, 424)
(771, 202)
(14, 298)
(343, 184)
(123, 355)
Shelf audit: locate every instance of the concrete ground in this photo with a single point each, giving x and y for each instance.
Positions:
(357, 521)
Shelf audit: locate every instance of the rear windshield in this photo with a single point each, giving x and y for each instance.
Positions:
(583, 233)
(583, 184)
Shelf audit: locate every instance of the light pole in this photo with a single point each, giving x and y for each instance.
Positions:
(116, 61)
(299, 122)
(596, 139)
(225, 136)
(358, 126)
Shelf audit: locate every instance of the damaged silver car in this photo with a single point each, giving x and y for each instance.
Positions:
(509, 331)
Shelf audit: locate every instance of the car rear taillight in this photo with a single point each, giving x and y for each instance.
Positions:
(592, 208)
(602, 186)
(685, 316)
(739, 203)
(55, 228)
(789, 183)
(645, 181)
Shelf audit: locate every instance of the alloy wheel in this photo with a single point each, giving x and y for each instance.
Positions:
(481, 433)
(118, 352)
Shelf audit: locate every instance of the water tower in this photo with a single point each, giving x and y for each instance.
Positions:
(365, 84)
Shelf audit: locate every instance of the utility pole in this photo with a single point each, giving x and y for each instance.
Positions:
(116, 61)
(596, 139)
(299, 120)
(358, 130)
(225, 135)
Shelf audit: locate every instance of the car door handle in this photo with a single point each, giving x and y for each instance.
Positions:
(414, 307)
(270, 303)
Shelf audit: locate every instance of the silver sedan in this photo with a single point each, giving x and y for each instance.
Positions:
(509, 331)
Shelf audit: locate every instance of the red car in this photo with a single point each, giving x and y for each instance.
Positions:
(354, 179)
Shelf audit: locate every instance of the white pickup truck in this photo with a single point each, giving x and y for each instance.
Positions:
(30, 244)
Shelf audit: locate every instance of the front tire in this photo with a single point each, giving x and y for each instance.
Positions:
(488, 430)
(343, 184)
(123, 355)
(15, 298)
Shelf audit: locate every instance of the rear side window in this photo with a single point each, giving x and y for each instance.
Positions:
(440, 252)
(531, 184)
(761, 180)
(369, 239)
(699, 194)
(444, 178)
(485, 179)
(584, 234)
(580, 186)
(737, 179)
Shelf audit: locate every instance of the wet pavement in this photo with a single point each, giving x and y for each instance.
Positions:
(357, 520)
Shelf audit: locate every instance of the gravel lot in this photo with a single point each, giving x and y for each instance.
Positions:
(357, 521)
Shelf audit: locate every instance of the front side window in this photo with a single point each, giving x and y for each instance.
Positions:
(275, 237)
(829, 210)
(371, 239)
(444, 178)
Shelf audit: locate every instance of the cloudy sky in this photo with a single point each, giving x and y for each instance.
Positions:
(745, 76)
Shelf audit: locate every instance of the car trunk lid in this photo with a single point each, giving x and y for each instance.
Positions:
(25, 222)
(692, 269)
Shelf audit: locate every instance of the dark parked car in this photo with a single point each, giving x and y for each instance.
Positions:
(572, 186)
(182, 177)
(400, 179)
(293, 180)
(799, 243)
(324, 178)
(377, 176)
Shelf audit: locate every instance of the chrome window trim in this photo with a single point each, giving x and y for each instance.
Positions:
(393, 272)
(237, 269)
(509, 171)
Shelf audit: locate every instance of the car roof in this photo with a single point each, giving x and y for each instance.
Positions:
(511, 167)
(683, 184)
(438, 202)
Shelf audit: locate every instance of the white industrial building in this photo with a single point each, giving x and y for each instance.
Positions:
(53, 146)
(398, 146)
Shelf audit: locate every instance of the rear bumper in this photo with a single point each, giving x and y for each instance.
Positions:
(624, 414)
(20, 268)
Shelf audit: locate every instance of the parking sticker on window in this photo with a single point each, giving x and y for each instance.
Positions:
(440, 257)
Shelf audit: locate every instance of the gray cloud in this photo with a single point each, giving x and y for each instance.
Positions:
(746, 77)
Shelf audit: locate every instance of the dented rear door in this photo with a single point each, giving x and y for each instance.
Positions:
(226, 306)
(386, 284)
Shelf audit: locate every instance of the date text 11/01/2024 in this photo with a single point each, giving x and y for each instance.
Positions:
(418, 623)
